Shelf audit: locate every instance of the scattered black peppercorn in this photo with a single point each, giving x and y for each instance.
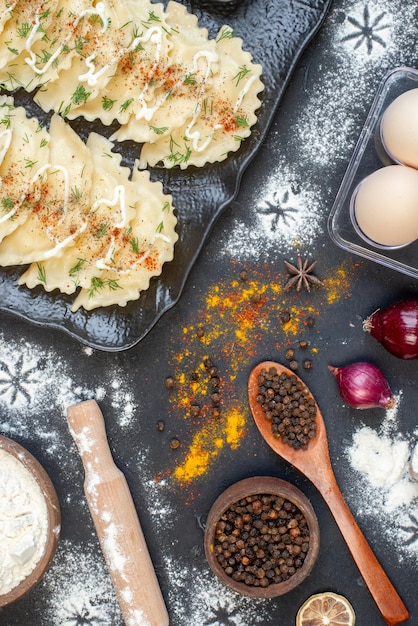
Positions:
(284, 317)
(174, 443)
(214, 382)
(200, 332)
(214, 391)
(310, 321)
(307, 364)
(256, 298)
(195, 410)
(261, 540)
(170, 382)
(293, 365)
(160, 425)
(243, 276)
(289, 354)
(289, 405)
(207, 362)
(303, 344)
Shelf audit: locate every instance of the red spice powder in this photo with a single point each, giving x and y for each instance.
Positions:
(235, 322)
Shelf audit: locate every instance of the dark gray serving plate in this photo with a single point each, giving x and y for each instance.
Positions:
(276, 33)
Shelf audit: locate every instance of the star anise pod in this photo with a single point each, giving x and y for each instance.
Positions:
(301, 275)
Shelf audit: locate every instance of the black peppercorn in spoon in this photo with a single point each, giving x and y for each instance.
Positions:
(314, 462)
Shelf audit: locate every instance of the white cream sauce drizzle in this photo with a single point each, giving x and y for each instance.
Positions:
(91, 77)
(5, 15)
(118, 198)
(102, 264)
(59, 243)
(99, 10)
(5, 141)
(148, 112)
(16, 207)
(195, 135)
(154, 35)
(64, 242)
(243, 92)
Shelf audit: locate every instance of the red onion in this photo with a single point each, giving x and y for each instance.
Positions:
(363, 386)
(396, 328)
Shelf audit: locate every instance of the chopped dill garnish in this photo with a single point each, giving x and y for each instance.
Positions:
(7, 204)
(107, 103)
(190, 79)
(242, 121)
(98, 283)
(134, 245)
(41, 273)
(159, 131)
(243, 71)
(125, 105)
(76, 194)
(77, 267)
(102, 230)
(24, 30)
(226, 33)
(176, 156)
(80, 96)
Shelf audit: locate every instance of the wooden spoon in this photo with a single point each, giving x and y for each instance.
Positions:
(315, 464)
(116, 522)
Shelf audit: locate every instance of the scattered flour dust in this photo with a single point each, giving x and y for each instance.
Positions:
(385, 490)
(362, 41)
(36, 387)
(195, 596)
(364, 44)
(283, 215)
(78, 590)
(35, 382)
(209, 602)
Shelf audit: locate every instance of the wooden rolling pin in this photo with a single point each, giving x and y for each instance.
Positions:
(116, 521)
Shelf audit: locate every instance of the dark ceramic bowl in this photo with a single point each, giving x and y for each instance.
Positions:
(54, 518)
(262, 485)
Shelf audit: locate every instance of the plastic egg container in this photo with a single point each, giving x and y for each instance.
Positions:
(375, 213)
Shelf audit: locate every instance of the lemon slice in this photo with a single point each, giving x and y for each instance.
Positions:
(326, 609)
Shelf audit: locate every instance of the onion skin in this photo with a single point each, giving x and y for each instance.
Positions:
(362, 385)
(396, 328)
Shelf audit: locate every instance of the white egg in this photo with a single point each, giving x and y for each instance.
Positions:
(399, 128)
(386, 206)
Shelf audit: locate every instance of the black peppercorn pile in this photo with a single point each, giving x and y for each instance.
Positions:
(288, 404)
(261, 540)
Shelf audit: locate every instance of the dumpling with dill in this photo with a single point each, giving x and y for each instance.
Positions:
(101, 36)
(24, 148)
(144, 247)
(138, 71)
(176, 82)
(25, 27)
(223, 116)
(57, 215)
(129, 235)
(110, 207)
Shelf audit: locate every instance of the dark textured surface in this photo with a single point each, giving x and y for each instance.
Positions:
(299, 165)
(275, 32)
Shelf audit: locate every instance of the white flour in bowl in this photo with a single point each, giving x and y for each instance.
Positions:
(23, 522)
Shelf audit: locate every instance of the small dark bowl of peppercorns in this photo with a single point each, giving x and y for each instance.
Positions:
(262, 537)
